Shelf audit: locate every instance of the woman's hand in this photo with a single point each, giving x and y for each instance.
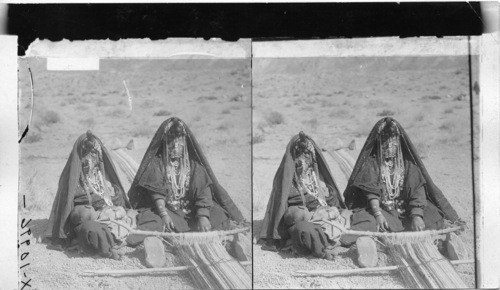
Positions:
(204, 224)
(382, 224)
(167, 220)
(417, 223)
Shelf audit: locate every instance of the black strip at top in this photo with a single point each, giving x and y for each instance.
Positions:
(234, 21)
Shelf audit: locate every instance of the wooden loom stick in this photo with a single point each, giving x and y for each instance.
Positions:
(173, 235)
(382, 234)
(133, 272)
(362, 270)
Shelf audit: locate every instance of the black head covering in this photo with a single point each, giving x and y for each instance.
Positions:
(433, 193)
(59, 225)
(273, 226)
(176, 126)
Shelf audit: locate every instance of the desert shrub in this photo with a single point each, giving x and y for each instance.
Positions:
(149, 104)
(275, 118)
(50, 117)
(433, 97)
(236, 98)
(32, 137)
(118, 112)
(209, 98)
(82, 107)
(419, 117)
(447, 126)
(89, 122)
(453, 139)
(327, 103)
(259, 138)
(225, 111)
(162, 113)
(102, 103)
(342, 113)
(222, 127)
(385, 113)
(448, 111)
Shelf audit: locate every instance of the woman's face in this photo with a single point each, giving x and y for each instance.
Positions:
(89, 162)
(390, 147)
(176, 148)
(303, 162)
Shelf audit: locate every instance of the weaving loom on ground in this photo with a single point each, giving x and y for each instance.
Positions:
(213, 267)
(416, 258)
(205, 256)
(420, 263)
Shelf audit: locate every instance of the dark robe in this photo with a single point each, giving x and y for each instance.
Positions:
(419, 196)
(70, 193)
(285, 194)
(205, 196)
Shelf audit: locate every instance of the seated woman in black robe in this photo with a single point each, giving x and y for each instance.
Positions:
(303, 186)
(390, 189)
(175, 188)
(89, 188)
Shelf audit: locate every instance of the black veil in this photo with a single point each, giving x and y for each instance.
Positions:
(434, 194)
(220, 195)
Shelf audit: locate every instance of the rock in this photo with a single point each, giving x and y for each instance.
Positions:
(367, 252)
(155, 252)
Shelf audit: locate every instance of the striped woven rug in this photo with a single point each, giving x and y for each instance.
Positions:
(341, 164)
(126, 167)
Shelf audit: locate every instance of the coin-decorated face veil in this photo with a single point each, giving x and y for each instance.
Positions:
(92, 174)
(391, 160)
(303, 152)
(176, 157)
(306, 169)
(91, 153)
(175, 140)
(389, 140)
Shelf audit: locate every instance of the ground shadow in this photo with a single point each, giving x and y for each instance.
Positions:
(256, 226)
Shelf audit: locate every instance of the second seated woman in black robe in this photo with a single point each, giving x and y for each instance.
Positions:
(175, 188)
(390, 189)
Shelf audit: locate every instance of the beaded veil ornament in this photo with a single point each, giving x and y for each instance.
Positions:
(305, 158)
(177, 167)
(391, 165)
(93, 180)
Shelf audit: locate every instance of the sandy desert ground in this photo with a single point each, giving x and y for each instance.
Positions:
(211, 96)
(336, 100)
